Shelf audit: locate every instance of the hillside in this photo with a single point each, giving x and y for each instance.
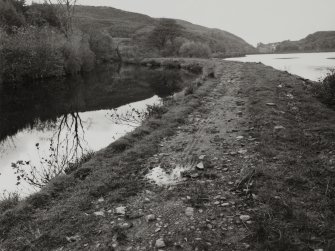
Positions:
(318, 41)
(135, 29)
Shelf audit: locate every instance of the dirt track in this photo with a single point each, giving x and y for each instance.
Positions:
(212, 133)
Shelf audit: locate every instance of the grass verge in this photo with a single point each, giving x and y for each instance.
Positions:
(294, 178)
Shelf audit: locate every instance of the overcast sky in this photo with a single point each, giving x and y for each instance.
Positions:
(253, 20)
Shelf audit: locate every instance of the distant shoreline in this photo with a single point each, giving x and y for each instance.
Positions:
(296, 52)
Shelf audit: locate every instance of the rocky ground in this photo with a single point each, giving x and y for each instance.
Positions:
(230, 175)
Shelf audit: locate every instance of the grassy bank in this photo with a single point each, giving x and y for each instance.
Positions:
(292, 176)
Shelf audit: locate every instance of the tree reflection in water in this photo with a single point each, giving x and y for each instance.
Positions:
(134, 117)
(35, 113)
(71, 135)
(67, 147)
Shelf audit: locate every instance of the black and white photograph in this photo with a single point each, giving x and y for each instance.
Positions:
(152, 125)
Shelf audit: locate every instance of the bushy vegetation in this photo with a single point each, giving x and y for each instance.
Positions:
(196, 50)
(325, 90)
(12, 14)
(31, 53)
(8, 201)
(35, 45)
(168, 38)
(151, 37)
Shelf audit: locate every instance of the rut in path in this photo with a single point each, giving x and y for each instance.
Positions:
(201, 123)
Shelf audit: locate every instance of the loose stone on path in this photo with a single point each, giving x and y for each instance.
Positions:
(189, 211)
(120, 210)
(201, 166)
(160, 243)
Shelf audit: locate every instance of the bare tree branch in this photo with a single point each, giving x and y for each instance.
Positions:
(66, 10)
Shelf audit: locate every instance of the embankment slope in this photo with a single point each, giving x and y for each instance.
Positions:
(266, 181)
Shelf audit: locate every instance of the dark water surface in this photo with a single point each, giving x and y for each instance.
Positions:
(54, 122)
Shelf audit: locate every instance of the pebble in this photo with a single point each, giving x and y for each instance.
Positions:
(160, 243)
(189, 211)
(149, 192)
(270, 104)
(73, 238)
(150, 217)
(120, 210)
(242, 151)
(245, 218)
(239, 137)
(277, 128)
(289, 95)
(125, 225)
(99, 213)
(202, 157)
(101, 200)
(201, 166)
(247, 246)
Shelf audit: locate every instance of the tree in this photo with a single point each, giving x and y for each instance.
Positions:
(66, 10)
(11, 14)
(166, 31)
(194, 49)
(43, 14)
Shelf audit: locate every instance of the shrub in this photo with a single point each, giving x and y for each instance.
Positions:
(8, 201)
(102, 45)
(166, 31)
(172, 47)
(31, 53)
(130, 53)
(79, 162)
(10, 15)
(78, 55)
(155, 111)
(43, 14)
(194, 49)
(325, 91)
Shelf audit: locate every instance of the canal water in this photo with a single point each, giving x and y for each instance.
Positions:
(46, 125)
(313, 66)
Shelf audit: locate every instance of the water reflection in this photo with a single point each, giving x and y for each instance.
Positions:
(45, 126)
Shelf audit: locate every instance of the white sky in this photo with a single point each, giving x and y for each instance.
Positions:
(253, 20)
